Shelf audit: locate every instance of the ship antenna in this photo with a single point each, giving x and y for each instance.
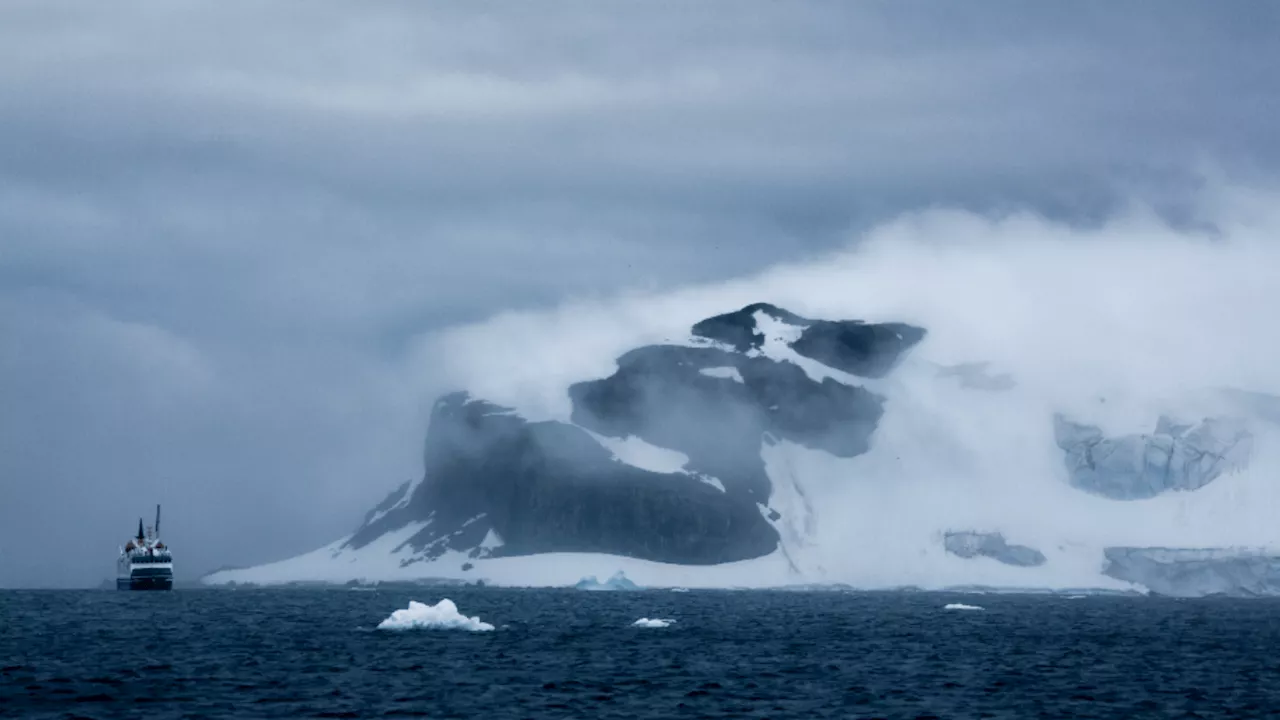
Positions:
(157, 521)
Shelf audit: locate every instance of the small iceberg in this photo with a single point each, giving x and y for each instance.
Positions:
(680, 589)
(443, 615)
(960, 606)
(619, 581)
(652, 623)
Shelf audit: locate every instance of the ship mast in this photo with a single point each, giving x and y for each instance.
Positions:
(157, 521)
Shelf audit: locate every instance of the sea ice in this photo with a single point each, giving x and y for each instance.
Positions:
(652, 623)
(443, 615)
(960, 606)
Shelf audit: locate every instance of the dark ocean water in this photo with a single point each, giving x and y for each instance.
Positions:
(557, 654)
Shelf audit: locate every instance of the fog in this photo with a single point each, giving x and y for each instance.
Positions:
(1113, 326)
(243, 248)
(1135, 307)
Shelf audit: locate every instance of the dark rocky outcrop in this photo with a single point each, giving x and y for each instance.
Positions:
(1177, 456)
(661, 395)
(852, 346)
(738, 328)
(1196, 572)
(991, 545)
(551, 487)
(390, 501)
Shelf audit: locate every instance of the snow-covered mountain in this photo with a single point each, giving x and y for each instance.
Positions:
(768, 449)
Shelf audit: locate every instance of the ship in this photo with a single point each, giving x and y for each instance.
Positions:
(145, 562)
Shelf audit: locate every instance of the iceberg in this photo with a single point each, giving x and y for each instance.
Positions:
(619, 581)
(443, 615)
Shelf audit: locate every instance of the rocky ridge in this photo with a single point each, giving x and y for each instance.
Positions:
(498, 485)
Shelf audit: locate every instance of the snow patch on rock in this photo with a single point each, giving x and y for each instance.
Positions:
(726, 372)
(634, 451)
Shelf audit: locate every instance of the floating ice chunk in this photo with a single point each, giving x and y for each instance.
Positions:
(960, 606)
(652, 623)
(619, 581)
(443, 615)
(680, 589)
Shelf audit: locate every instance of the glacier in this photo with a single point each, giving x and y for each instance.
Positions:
(988, 420)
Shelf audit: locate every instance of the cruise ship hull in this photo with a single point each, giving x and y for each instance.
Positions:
(150, 583)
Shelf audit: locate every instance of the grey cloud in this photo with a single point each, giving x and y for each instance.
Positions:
(221, 223)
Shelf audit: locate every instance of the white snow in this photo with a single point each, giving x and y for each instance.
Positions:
(652, 623)
(960, 606)
(379, 560)
(774, 330)
(712, 481)
(779, 335)
(728, 372)
(491, 540)
(634, 451)
(403, 501)
(443, 615)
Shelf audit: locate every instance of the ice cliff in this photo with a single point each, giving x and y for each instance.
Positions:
(1174, 457)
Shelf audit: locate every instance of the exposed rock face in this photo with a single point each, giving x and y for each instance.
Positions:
(1196, 572)
(1177, 456)
(496, 484)
(392, 499)
(550, 487)
(661, 395)
(992, 545)
(855, 347)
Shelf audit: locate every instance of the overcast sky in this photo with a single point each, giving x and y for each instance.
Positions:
(224, 224)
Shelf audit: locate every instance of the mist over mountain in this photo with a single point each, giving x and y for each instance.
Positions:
(1105, 425)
